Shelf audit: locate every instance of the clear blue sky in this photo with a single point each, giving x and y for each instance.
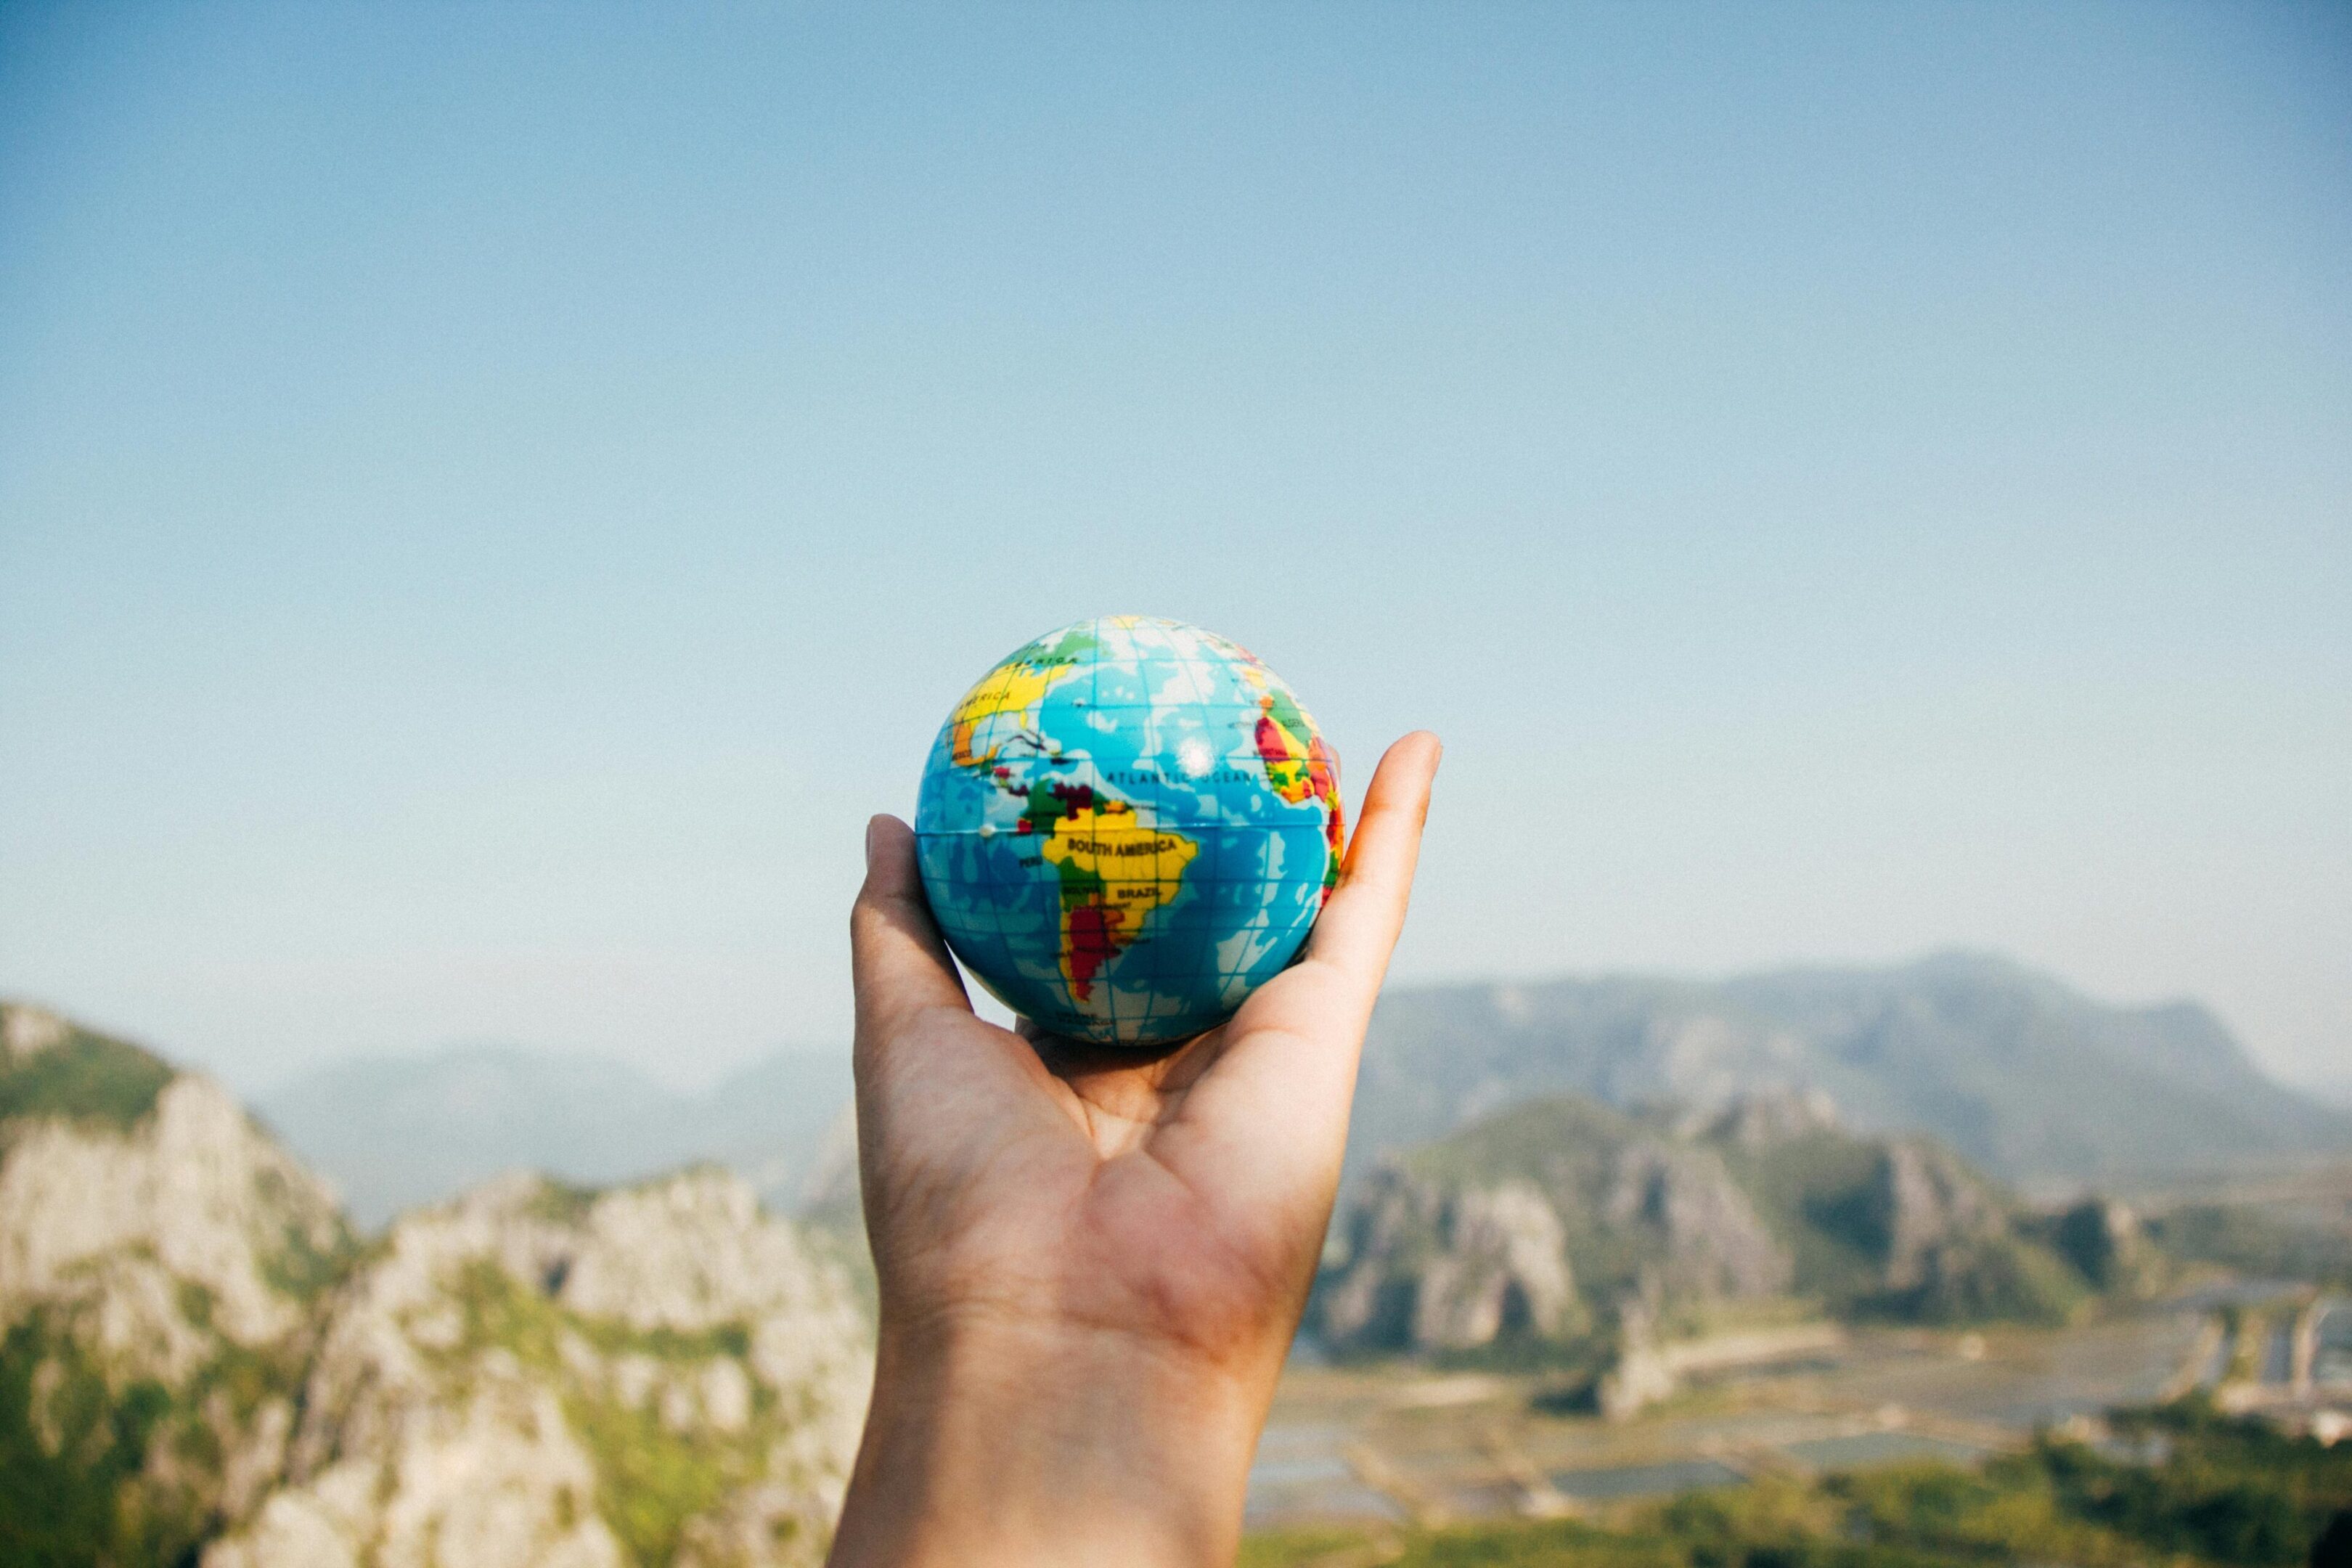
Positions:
(490, 497)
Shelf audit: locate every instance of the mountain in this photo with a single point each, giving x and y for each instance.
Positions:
(162, 1268)
(201, 1363)
(534, 1374)
(2011, 1068)
(1563, 1224)
(2016, 1072)
(2332, 1090)
(2022, 1076)
(394, 1132)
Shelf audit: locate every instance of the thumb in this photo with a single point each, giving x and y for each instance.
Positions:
(898, 962)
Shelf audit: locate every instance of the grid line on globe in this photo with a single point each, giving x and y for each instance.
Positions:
(1127, 826)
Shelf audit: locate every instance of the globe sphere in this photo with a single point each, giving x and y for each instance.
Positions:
(1127, 827)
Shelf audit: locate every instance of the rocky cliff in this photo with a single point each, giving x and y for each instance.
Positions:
(1566, 1224)
(162, 1263)
(200, 1360)
(534, 1375)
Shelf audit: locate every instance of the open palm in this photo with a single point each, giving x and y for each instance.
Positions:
(1176, 1200)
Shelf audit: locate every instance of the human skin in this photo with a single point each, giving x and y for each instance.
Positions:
(1092, 1260)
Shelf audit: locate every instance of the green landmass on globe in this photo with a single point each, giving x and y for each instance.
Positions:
(1127, 826)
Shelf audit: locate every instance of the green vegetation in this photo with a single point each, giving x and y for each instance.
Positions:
(1995, 1279)
(2232, 1490)
(69, 1450)
(2254, 1241)
(2226, 1491)
(79, 1478)
(1892, 1229)
(562, 1202)
(1818, 1193)
(666, 1344)
(651, 1479)
(301, 1267)
(1823, 1194)
(84, 1077)
(298, 1265)
(1569, 1148)
(1471, 1546)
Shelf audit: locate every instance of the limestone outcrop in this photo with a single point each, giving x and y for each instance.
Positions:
(1563, 1224)
(1681, 1200)
(201, 1361)
(534, 1377)
(162, 1261)
(2105, 1241)
(1455, 1270)
(1764, 1117)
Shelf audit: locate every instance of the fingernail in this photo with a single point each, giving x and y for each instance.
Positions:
(870, 825)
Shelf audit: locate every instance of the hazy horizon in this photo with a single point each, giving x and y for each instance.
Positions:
(2333, 1086)
(490, 500)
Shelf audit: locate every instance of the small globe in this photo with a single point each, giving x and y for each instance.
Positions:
(1127, 827)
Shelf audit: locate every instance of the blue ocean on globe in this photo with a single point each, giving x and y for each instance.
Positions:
(1127, 827)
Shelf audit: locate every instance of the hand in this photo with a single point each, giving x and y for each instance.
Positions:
(1092, 1260)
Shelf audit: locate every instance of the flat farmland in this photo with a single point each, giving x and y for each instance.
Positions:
(1408, 1444)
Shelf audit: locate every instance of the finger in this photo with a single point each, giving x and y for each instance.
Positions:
(1273, 1102)
(1359, 928)
(898, 962)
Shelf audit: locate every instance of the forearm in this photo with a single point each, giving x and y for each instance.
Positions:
(1019, 1445)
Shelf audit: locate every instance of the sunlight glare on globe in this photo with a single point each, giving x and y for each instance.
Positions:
(1127, 827)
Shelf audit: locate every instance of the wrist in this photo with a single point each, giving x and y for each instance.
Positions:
(995, 1441)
